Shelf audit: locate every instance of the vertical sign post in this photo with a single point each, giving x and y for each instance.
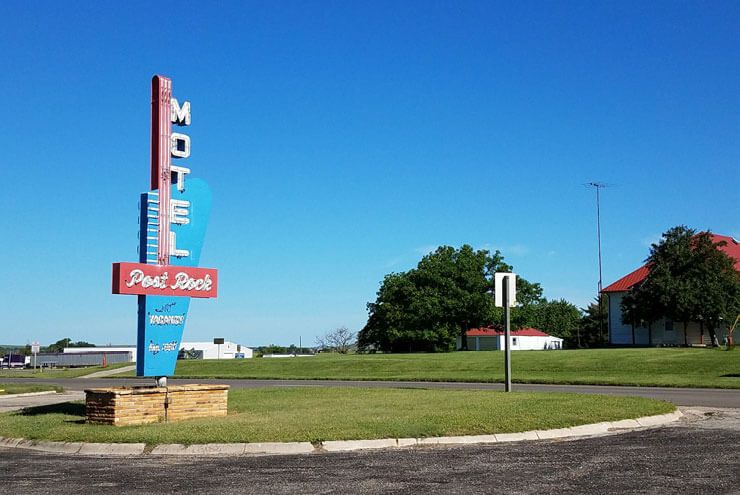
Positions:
(35, 350)
(507, 336)
(218, 341)
(505, 295)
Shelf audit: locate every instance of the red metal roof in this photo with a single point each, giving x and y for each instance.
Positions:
(628, 280)
(732, 248)
(492, 332)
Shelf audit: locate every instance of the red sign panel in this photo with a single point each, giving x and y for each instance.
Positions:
(164, 280)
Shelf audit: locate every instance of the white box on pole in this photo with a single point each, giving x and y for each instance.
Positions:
(498, 289)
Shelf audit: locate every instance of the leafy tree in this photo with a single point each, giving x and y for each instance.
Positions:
(559, 318)
(428, 307)
(59, 345)
(589, 332)
(81, 343)
(690, 279)
(716, 282)
(273, 349)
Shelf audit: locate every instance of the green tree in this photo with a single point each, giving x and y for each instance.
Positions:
(716, 282)
(59, 345)
(689, 279)
(559, 318)
(589, 332)
(428, 307)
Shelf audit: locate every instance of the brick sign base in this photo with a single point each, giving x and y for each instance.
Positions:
(124, 406)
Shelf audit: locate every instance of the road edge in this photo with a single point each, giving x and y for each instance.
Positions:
(28, 394)
(240, 449)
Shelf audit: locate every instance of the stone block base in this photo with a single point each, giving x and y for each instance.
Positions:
(124, 406)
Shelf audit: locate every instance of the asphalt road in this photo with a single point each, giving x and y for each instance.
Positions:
(679, 396)
(695, 456)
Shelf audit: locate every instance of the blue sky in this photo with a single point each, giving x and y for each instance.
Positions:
(343, 140)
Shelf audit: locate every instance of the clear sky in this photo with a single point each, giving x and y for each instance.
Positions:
(343, 140)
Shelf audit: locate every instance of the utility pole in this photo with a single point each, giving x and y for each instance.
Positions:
(598, 186)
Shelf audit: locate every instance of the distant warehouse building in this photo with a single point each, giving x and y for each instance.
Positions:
(91, 356)
(188, 350)
(525, 339)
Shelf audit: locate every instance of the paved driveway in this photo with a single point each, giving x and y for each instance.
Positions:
(697, 455)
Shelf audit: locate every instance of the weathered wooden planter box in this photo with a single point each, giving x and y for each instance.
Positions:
(124, 406)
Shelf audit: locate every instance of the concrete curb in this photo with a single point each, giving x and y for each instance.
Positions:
(239, 449)
(27, 394)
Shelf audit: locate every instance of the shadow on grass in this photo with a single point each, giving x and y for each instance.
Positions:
(731, 375)
(68, 408)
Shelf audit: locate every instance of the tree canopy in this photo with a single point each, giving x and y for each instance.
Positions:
(449, 292)
(59, 345)
(589, 333)
(689, 279)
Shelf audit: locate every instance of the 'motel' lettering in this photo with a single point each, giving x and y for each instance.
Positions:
(173, 219)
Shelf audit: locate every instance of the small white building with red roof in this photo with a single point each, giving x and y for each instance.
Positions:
(524, 339)
(663, 331)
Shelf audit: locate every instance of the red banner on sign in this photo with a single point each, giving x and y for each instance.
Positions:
(164, 280)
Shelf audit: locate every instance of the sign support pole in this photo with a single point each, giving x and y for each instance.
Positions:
(507, 336)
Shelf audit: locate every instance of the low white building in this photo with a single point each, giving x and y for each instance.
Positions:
(209, 350)
(525, 339)
(198, 350)
(96, 350)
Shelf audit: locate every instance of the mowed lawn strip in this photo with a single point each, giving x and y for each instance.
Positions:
(333, 413)
(23, 388)
(57, 372)
(666, 367)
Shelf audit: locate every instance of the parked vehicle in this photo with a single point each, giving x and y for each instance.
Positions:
(13, 361)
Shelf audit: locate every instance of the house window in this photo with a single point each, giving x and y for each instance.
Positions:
(668, 325)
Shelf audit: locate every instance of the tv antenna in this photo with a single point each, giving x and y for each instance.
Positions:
(599, 186)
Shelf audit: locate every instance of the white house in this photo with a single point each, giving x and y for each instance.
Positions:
(525, 339)
(663, 331)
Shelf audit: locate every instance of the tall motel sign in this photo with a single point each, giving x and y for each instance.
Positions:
(172, 226)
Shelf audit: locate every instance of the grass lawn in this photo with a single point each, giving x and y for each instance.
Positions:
(666, 367)
(333, 413)
(57, 373)
(23, 388)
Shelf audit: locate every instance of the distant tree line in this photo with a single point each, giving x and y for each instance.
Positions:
(449, 292)
(57, 346)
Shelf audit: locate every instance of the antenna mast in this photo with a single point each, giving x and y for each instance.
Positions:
(598, 186)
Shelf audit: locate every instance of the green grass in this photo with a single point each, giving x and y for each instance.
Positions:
(57, 373)
(332, 413)
(667, 367)
(23, 388)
